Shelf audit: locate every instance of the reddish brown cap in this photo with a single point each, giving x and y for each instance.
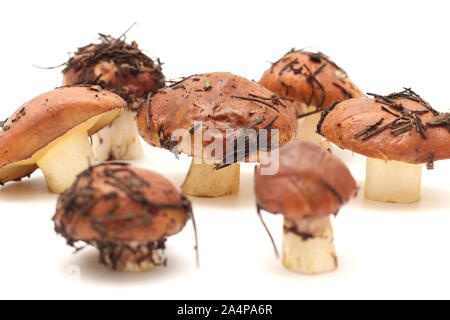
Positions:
(49, 116)
(310, 78)
(222, 101)
(119, 203)
(117, 66)
(400, 126)
(311, 182)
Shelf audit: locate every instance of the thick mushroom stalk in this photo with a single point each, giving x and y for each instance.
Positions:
(204, 180)
(119, 140)
(307, 127)
(392, 181)
(65, 159)
(308, 245)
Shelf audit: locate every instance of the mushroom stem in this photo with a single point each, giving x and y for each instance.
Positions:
(118, 141)
(307, 127)
(131, 256)
(203, 180)
(392, 181)
(308, 245)
(65, 159)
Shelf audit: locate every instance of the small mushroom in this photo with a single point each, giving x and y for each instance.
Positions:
(123, 69)
(310, 185)
(51, 132)
(397, 133)
(314, 82)
(225, 105)
(125, 212)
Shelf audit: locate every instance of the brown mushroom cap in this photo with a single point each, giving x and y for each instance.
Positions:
(49, 116)
(366, 126)
(310, 78)
(222, 101)
(117, 66)
(311, 182)
(119, 203)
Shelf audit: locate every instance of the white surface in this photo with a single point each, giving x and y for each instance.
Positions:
(385, 250)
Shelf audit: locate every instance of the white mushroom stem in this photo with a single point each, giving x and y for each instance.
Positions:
(203, 180)
(65, 158)
(308, 245)
(307, 127)
(392, 181)
(119, 140)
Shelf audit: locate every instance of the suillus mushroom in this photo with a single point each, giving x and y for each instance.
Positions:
(125, 212)
(51, 132)
(311, 184)
(397, 133)
(123, 69)
(314, 82)
(216, 109)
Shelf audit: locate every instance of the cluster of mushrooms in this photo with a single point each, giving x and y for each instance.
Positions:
(112, 95)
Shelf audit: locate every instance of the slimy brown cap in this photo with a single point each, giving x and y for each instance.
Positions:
(400, 126)
(310, 182)
(49, 116)
(117, 66)
(310, 78)
(119, 203)
(221, 101)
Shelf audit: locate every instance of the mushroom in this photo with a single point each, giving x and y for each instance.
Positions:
(397, 133)
(219, 109)
(127, 213)
(314, 82)
(123, 69)
(310, 185)
(51, 132)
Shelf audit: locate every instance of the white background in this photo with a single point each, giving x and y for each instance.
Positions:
(385, 250)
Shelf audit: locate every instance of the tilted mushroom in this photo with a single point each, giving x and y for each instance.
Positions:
(125, 212)
(123, 69)
(398, 133)
(310, 185)
(51, 132)
(314, 82)
(223, 105)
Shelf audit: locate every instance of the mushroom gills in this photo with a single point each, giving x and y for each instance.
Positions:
(203, 180)
(308, 245)
(119, 140)
(307, 127)
(392, 181)
(131, 256)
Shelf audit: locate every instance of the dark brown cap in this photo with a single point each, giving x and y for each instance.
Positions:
(49, 116)
(310, 182)
(400, 126)
(310, 78)
(117, 66)
(222, 101)
(120, 203)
